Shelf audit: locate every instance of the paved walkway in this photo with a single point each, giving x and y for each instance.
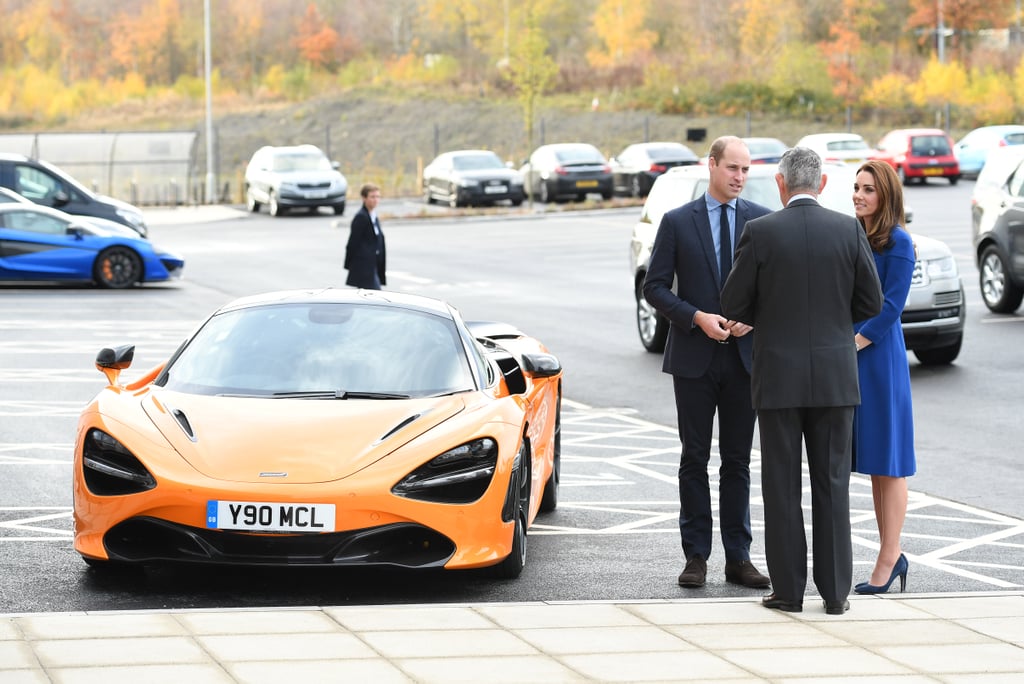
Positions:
(899, 638)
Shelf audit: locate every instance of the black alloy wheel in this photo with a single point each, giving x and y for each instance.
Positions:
(117, 267)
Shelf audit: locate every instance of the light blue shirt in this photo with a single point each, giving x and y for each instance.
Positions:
(714, 218)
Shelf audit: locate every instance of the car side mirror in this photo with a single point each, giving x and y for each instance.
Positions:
(60, 198)
(335, 165)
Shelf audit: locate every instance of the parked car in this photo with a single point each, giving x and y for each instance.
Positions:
(8, 196)
(470, 178)
(45, 184)
(848, 148)
(294, 177)
(328, 427)
(997, 225)
(563, 170)
(973, 149)
(765, 150)
(919, 154)
(635, 168)
(42, 244)
(934, 315)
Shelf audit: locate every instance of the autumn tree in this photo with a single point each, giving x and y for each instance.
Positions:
(531, 69)
(963, 17)
(149, 42)
(317, 42)
(619, 27)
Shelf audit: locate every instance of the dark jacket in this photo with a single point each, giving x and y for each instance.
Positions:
(365, 254)
(684, 252)
(802, 276)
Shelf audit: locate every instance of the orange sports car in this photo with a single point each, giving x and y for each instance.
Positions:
(327, 427)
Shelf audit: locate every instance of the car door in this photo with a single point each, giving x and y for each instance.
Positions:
(37, 246)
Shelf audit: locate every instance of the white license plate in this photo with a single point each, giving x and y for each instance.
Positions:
(495, 188)
(316, 194)
(269, 517)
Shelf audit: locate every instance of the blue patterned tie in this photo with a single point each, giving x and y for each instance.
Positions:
(725, 255)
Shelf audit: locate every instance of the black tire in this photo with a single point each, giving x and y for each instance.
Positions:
(517, 202)
(513, 565)
(953, 180)
(275, 208)
(606, 195)
(998, 290)
(549, 501)
(339, 209)
(939, 356)
(901, 174)
(650, 325)
(250, 202)
(453, 197)
(117, 267)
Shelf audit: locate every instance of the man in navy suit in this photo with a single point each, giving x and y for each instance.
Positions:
(802, 277)
(364, 253)
(708, 357)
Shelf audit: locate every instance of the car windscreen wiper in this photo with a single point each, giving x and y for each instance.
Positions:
(338, 394)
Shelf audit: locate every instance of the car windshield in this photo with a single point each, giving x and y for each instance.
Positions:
(842, 145)
(670, 153)
(301, 161)
(765, 147)
(929, 145)
(578, 155)
(476, 162)
(323, 351)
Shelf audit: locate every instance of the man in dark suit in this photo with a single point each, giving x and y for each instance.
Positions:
(803, 275)
(365, 253)
(709, 360)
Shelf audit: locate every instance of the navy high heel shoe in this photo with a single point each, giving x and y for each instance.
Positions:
(898, 570)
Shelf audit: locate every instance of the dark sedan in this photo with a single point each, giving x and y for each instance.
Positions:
(635, 169)
(470, 178)
(567, 170)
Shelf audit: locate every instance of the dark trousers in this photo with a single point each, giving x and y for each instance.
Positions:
(827, 433)
(724, 388)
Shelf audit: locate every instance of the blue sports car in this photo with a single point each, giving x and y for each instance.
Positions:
(43, 244)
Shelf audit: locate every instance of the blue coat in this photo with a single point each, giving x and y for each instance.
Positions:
(883, 437)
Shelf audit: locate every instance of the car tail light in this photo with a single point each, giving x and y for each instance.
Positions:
(658, 168)
(459, 475)
(1002, 143)
(561, 171)
(605, 168)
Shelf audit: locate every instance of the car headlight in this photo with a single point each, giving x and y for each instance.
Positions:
(941, 268)
(468, 183)
(110, 469)
(459, 475)
(134, 218)
(289, 187)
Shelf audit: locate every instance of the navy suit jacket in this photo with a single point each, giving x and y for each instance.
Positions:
(684, 253)
(364, 252)
(802, 277)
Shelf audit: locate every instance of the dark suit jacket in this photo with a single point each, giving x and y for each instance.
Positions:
(364, 252)
(684, 252)
(802, 276)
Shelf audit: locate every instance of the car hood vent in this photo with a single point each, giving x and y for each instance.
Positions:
(236, 438)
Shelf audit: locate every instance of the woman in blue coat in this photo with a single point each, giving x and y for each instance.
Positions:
(883, 436)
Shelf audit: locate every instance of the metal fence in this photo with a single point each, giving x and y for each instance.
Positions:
(152, 167)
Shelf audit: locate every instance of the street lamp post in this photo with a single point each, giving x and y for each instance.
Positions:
(211, 183)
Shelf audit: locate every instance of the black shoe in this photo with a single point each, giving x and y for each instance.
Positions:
(836, 607)
(744, 572)
(694, 574)
(773, 601)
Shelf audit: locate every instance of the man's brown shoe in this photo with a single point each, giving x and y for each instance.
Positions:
(773, 601)
(744, 572)
(694, 574)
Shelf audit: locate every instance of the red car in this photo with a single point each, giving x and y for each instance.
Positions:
(919, 153)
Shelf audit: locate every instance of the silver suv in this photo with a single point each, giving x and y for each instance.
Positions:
(300, 176)
(933, 318)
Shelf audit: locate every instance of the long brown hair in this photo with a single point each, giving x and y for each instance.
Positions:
(889, 213)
